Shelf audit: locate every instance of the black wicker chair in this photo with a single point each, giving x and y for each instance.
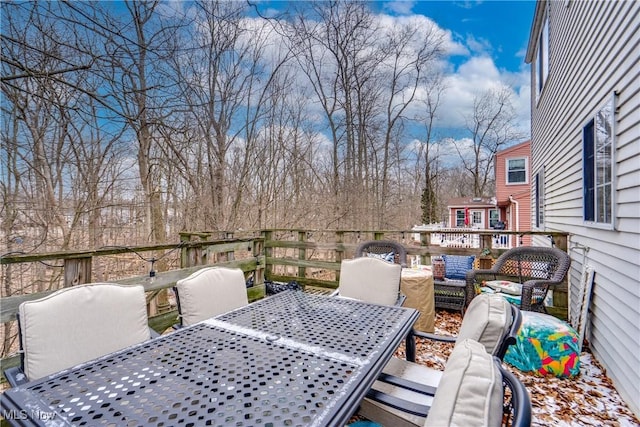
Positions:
(537, 268)
(450, 293)
(381, 247)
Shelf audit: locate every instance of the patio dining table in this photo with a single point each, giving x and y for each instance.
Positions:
(290, 359)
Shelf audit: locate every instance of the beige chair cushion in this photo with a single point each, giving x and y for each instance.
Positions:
(80, 323)
(370, 279)
(210, 292)
(470, 391)
(487, 320)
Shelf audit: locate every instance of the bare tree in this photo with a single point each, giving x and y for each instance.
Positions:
(409, 53)
(331, 47)
(365, 77)
(491, 126)
(225, 82)
(44, 109)
(428, 152)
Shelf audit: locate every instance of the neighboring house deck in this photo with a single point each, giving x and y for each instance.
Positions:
(472, 212)
(585, 164)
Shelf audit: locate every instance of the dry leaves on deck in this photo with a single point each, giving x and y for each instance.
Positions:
(587, 400)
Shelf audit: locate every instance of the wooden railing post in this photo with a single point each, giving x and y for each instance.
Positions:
(229, 255)
(339, 252)
(184, 252)
(77, 271)
(561, 293)
(258, 252)
(268, 252)
(425, 240)
(190, 257)
(560, 240)
(302, 253)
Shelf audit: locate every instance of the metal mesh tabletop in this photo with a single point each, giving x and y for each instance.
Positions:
(227, 372)
(334, 324)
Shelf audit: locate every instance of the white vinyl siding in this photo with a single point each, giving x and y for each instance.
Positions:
(593, 53)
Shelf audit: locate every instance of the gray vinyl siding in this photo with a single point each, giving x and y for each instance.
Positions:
(593, 51)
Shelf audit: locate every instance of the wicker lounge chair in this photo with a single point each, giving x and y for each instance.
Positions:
(450, 291)
(538, 269)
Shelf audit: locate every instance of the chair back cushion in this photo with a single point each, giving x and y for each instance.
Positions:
(78, 324)
(388, 250)
(456, 266)
(370, 279)
(388, 257)
(470, 392)
(487, 320)
(209, 292)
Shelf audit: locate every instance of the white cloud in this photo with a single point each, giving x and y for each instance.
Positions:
(464, 80)
(478, 46)
(400, 7)
(476, 75)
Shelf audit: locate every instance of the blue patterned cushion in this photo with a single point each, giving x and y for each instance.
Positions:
(390, 257)
(456, 266)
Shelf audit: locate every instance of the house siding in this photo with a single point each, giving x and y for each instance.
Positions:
(520, 192)
(593, 51)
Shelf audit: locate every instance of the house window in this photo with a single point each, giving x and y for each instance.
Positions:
(542, 66)
(517, 171)
(460, 218)
(494, 217)
(539, 198)
(598, 164)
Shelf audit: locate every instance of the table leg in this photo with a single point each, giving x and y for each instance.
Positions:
(410, 347)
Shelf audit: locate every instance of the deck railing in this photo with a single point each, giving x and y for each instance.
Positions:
(310, 257)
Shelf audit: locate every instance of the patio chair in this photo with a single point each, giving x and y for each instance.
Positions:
(75, 325)
(450, 290)
(490, 320)
(532, 269)
(471, 393)
(371, 280)
(209, 292)
(387, 250)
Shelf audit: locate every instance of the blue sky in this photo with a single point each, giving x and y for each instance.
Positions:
(497, 28)
(489, 40)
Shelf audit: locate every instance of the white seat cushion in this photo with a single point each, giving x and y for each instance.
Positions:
(487, 320)
(470, 392)
(209, 292)
(81, 323)
(370, 279)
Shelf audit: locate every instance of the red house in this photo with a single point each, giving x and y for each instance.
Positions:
(511, 208)
(472, 212)
(513, 189)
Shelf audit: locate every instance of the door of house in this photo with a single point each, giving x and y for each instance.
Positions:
(477, 218)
